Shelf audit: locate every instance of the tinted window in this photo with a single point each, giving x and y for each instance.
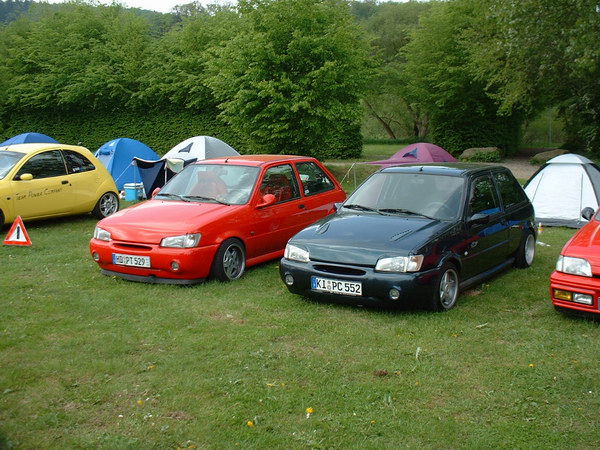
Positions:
(437, 196)
(510, 190)
(203, 182)
(281, 182)
(77, 163)
(313, 178)
(45, 165)
(483, 197)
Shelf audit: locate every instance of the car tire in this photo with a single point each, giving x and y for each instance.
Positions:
(107, 205)
(230, 261)
(446, 290)
(1, 219)
(526, 252)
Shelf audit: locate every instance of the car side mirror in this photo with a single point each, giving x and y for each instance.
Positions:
(478, 219)
(337, 206)
(587, 213)
(267, 199)
(154, 192)
(26, 177)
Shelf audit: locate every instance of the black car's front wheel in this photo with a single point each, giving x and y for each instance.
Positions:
(446, 288)
(526, 252)
(230, 261)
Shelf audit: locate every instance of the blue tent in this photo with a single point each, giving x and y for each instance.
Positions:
(117, 155)
(27, 138)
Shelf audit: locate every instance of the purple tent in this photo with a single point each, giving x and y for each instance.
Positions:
(416, 153)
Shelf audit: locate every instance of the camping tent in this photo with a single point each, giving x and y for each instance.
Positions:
(26, 138)
(117, 155)
(155, 173)
(561, 188)
(416, 153)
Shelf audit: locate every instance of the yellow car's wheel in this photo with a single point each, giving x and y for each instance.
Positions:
(107, 205)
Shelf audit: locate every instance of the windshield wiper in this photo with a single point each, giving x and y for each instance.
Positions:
(405, 211)
(166, 194)
(200, 197)
(362, 208)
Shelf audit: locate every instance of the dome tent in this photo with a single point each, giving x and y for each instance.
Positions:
(155, 173)
(28, 138)
(117, 156)
(421, 152)
(562, 187)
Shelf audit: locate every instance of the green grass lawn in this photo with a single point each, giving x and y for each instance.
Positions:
(88, 361)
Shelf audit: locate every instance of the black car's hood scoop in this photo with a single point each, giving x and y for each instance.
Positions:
(363, 238)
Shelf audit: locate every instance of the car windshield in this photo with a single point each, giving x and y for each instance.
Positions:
(7, 161)
(436, 196)
(215, 183)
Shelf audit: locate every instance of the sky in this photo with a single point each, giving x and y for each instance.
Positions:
(163, 6)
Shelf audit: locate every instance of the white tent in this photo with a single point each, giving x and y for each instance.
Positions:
(561, 188)
(200, 147)
(156, 173)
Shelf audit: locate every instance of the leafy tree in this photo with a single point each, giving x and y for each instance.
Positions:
(79, 56)
(535, 53)
(11, 9)
(390, 27)
(175, 71)
(292, 78)
(441, 83)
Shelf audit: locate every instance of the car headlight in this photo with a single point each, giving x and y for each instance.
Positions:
(296, 253)
(400, 264)
(183, 241)
(101, 234)
(574, 266)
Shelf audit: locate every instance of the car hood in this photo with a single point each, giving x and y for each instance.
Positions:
(152, 220)
(362, 239)
(586, 244)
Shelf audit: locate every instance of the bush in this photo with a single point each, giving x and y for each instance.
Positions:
(161, 129)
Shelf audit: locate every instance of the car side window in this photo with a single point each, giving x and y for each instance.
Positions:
(313, 179)
(45, 165)
(510, 190)
(482, 199)
(77, 163)
(281, 182)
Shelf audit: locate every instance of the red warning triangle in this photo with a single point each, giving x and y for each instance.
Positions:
(17, 235)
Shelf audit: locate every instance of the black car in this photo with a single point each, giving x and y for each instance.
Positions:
(415, 233)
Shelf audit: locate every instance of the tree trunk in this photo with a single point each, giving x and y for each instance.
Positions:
(383, 123)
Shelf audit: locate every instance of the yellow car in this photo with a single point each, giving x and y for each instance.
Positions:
(39, 181)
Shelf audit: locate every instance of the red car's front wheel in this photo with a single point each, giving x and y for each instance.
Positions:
(230, 261)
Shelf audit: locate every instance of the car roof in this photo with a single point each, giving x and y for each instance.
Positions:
(32, 148)
(255, 160)
(448, 169)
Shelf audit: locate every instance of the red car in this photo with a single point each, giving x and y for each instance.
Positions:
(575, 284)
(216, 218)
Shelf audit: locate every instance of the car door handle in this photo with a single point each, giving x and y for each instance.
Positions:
(301, 206)
(64, 182)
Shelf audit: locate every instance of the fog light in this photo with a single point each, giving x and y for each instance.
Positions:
(174, 266)
(394, 294)
(582, 298)
(96, 256)
(563, 295)
(289, 280)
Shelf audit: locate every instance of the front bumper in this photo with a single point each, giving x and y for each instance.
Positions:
(193, 264)
(575, 284)
(414, 288)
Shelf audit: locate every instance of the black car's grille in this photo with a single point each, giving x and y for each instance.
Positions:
(340, 270)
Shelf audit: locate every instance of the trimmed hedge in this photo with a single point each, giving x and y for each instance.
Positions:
(160, 129)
